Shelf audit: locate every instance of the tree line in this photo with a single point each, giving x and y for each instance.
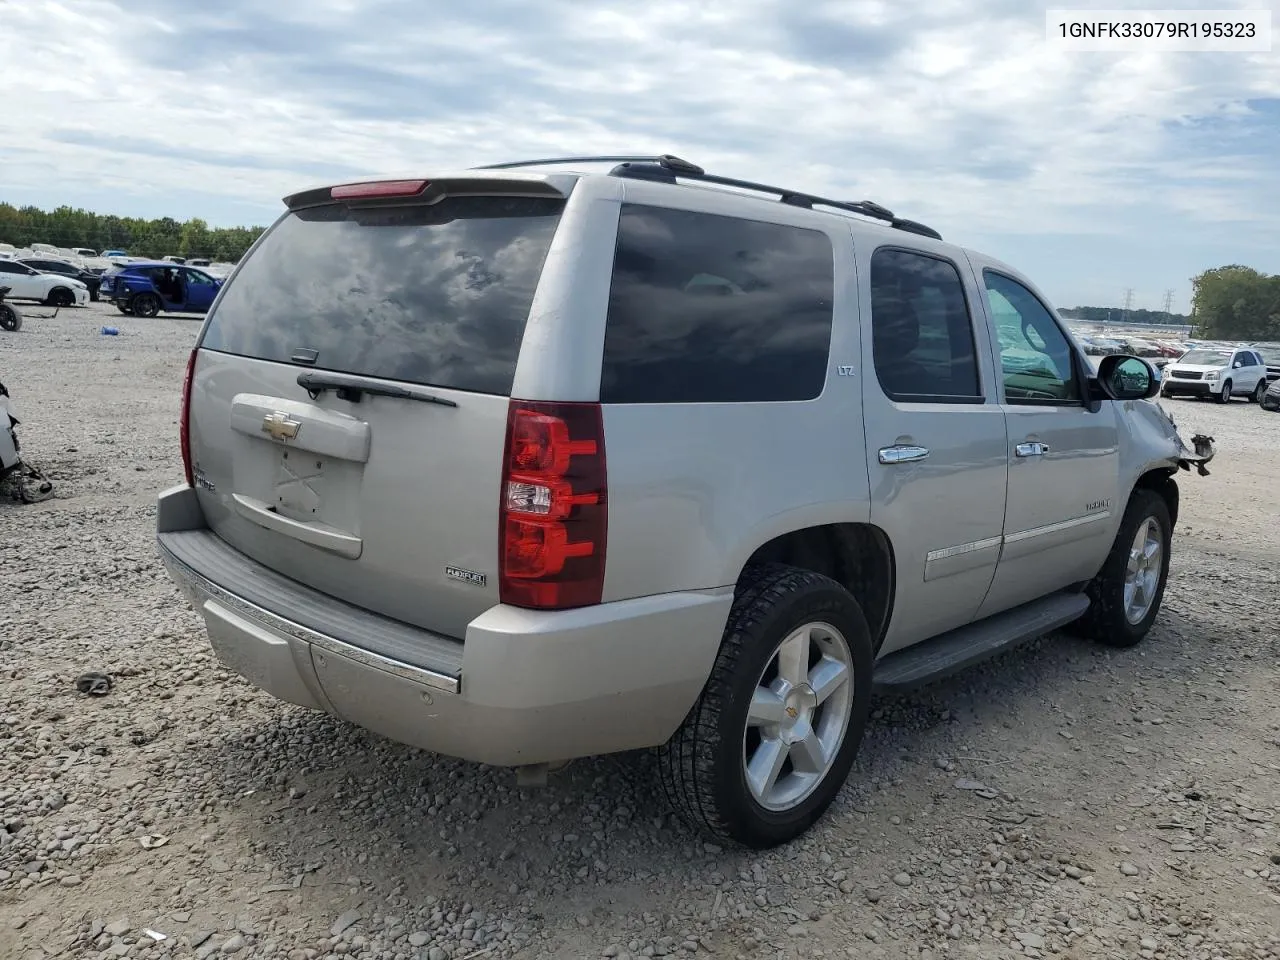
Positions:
(1229, 303)
(1104, 314)
(74, 227)
(1236, 303)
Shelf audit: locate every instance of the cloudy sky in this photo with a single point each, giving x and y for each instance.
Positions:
(1095, 172)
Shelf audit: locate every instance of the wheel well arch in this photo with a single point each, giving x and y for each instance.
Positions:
(1160, 482)
(858, 556)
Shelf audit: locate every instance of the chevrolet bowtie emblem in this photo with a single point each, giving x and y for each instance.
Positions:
(280, 426)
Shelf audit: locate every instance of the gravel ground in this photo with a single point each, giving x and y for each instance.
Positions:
(1064, 799)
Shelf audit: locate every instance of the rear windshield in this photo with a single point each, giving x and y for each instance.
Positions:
(435, 295)
(1208, 358)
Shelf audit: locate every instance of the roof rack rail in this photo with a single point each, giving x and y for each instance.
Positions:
(649, 170)
(666, 161)
(669, 169)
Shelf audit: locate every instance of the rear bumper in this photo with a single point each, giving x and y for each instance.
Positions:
(522, 687)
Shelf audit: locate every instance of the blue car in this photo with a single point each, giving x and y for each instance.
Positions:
(145, 289)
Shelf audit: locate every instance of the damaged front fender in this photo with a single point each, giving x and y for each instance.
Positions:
(1200, 458)
(1153, 441)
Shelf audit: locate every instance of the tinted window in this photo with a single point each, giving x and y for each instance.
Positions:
(1035, 355)
(923, 336)
(436, 295)
(8, 266)
(708, 309)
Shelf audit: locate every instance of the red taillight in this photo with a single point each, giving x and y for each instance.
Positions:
(184, 431)
(554, 507)
(378, 188)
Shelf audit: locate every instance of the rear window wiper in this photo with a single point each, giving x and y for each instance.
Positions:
(353, 388)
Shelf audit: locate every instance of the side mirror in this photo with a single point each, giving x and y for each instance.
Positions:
(1127, 378)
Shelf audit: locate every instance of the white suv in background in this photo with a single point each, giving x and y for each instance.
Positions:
(1218, 372)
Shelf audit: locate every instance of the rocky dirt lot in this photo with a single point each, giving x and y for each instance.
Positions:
(1063, 800)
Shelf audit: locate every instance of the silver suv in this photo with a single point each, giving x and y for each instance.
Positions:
(530, 463)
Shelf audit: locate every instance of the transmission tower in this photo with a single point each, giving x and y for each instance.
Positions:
(1168, 303)
(1128, 303)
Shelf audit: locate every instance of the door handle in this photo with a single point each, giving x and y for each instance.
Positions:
(902, 453)
(1031, 449)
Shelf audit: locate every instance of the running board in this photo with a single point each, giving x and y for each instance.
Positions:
(950, 652)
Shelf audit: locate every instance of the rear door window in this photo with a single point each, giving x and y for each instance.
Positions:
(923, 345)
(433, 294)
(712, 309)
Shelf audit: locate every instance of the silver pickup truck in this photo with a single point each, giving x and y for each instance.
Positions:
(562, 458)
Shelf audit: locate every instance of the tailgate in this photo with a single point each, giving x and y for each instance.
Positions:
(380, 484)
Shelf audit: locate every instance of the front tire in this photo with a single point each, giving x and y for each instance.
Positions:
(60, 297)
(1225, 395)
(10, 318)
(769, 743)
(1126, 594)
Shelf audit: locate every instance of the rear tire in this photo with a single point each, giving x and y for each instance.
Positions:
(1127, 592)
(144, 305)
(769, 743)
(1225, 395)
(1259, 391)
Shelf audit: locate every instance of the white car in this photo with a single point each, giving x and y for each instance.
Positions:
(1218, 372)
(27, 284)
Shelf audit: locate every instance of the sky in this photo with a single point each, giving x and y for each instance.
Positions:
(1095, 173)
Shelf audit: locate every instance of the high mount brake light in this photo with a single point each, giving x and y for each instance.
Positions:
(184, 430)
(378, 188)
(554, 509)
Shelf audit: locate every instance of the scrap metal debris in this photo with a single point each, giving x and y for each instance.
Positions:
(24, 481)
(94, 684)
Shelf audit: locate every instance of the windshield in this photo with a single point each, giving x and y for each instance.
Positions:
(1208, 358)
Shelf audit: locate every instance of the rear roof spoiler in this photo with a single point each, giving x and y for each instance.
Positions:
(434, 189)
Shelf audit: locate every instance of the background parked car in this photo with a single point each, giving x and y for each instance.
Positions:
(1103, 346)
(1270, 353)
(148, 288)
(1218, 372)
(65, 268)
(54, 289)
(1271, 399)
